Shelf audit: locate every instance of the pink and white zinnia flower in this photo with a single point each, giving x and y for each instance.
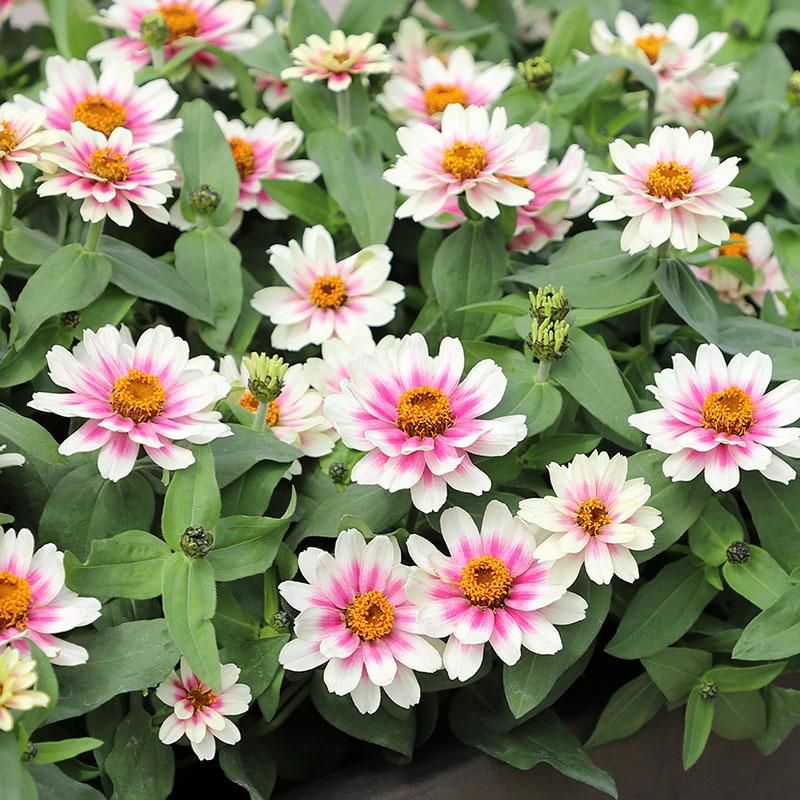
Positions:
(672, 189)
(17, 679)
(459, 80)
(419, 422)
(324, 297)
(411, 47)
(473, 154)
(264, 152)
(718, 418)
(596, 518)
(201, 714)
(489, 590)
(149, 394)
(337, 60)
(690, 101)
(35, 603)
(110, 176)
(327, 373)
(22, 141)
(356, 619)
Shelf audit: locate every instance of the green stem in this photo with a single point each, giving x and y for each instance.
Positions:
(648, 318)
(543, 373)
(157, 57)
(271, 600)
(628, 355)
(651, 112)
(260, 421)
(6, 207)
(343, 109)
(93, 235)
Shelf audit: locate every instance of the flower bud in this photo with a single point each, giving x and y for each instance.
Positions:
(266, 375)
(738, 553)
(154, 30)
(536, 72)
(793, 89)
(708, 690)
(204, 200)
(71, 319)
(197, 542)
(549, 303)
(738, 29)
(281, 622)
(339, 473)
(548, 339)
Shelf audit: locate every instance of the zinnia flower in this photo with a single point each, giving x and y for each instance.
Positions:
(489, 589)
(472, 154)
(110, 176)
(209, 21)
(755, 245)
(326, 298)
(419, 422)
(718, 419)
(17, 679)
(113, 100)
(149, 394)
(356, 619)
(596, 518)
(275, 92)
(35, 603)
(201, 714)
(689, 101)
(458, 80)
(673, 190)
(327, 373)
(22, 141)
(263, 153)
(411, 47)
(337, 60)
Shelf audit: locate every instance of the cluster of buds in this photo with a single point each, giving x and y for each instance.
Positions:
(549, 336)
(793, 89)
(197, 542)
(537, 73)
(266, 375)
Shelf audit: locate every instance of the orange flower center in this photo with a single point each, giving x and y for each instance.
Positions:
(700, 101)
(181, 20)
(737, 246)
(328, 291)
(273, 414)
(651, 44)
(424, 411)
(486, 581)
(729, 411)
(243, 155)
(138, 396)
(464, 161)
(15, 601)
(99, 114)
(669, 179)
(8, 139)
(201, 697)
(592, 516)
(370, 616)
(441, 95)
(108, 165)
(248, 401)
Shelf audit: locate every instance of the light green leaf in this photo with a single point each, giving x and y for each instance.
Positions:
(760, 579)
(676, 670)
(744, 679)
(689, 299)
(361, 16)
(28, 437)
(73, 26)
(774, 509)
(308, 16)
(783, 716)
(712, 533)
(740, 715)
(774, 633)
(559, 447)
(235, 455)
(53, 784)
(630, 707)
(10, 766)
(696, 727)
(306, 201)
(53, 752)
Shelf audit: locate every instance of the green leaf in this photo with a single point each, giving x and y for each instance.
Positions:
(139, 766)
(192, 498)
(760, 579)
(740, 715)
(306, 201)
(744, 679)
(696, 727)
(630, 707)
(68, 281)
(205, 258)
(258, 661)
(590, 375)
(73, 26)
(235, 455)
(570, 32)
(676, 670)
(53, 784)
(361, 16)
(353, 158)
(712, 533)
(775, 632)
(20, 366)
(45, 682)
(28, 437)
(28, 245)
(10, 766)
(126, 565)
(689, 298)
(126, 658)
(774, 509)
(533, 676)
(661, 611)
(269, 55)
(783, 716)
(250, 767)
(560, 447)
(308, 16)
(53, 752)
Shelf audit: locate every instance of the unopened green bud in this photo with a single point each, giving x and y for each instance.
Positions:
(266, 375)
(536, 72)
(30, 752)
(197, 542)
(281, 622)
(339, 472)
(204, 199)
(71, 319)
(793, 89)
(549, 339)
(738, 553)
(549, 303)
(738, 29)
(154, 30)
(708, 690)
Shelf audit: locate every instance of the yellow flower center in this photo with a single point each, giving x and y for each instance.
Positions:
(99, 114)
(181, 20)
(200, 698)
(669, 179)
(8, 139)
(441, 95)
(592, 516)
(138, 396)
(15, 601)
(243, 156)
(486, 581)
(273, 413)
(108, 165)
(651, 44)
(517, 181)
(248, 401)
(737, 246)
(424, 411)
(729, 411)
(370, 616)
(464, 161)
(700, 101)
(328, 291)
